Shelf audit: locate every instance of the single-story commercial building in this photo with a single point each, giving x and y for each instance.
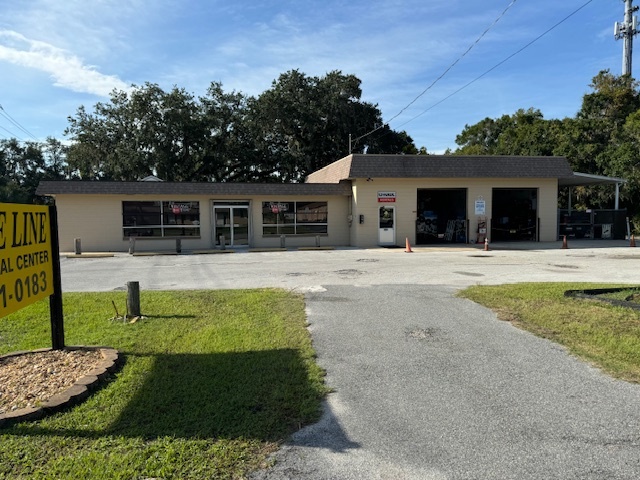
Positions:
(360, 200)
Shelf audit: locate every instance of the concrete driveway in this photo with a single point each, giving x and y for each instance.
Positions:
(427, 386)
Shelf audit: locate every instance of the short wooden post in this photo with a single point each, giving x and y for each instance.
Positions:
(178, 245)
(317, 240)
(223, 241)
(283, 241)
(132, 245)
(77, 246)
(133, 299)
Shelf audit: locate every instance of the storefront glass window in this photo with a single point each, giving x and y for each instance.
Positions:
(294, 218)
(161, 219)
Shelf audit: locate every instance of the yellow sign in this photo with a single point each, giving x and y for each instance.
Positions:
(26, 266)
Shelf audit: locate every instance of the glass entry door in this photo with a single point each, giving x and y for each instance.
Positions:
(233, 223)
(386, 226)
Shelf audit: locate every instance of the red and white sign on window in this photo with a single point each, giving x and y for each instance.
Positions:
(386, 197)
(279, 207)
(178, 208)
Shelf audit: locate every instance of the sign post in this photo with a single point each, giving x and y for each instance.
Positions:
(55, 300)
(30, 262)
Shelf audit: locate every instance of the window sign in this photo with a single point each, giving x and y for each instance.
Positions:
(178, 208)
(277, 207)
(481, 207)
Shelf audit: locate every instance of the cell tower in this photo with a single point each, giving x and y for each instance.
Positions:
(627, 30)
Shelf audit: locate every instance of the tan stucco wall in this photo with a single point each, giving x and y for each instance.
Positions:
(365, 202)
(337, 228)
(97, 221)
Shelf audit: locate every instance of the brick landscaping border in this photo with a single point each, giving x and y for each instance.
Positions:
(78, 392)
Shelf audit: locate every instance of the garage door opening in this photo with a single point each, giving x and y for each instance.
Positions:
(514, 215)
(442, 216)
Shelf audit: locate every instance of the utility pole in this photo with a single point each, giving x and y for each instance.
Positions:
(627, 30)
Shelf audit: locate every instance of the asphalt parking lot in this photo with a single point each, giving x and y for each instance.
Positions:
(427, 385)
(589, 261)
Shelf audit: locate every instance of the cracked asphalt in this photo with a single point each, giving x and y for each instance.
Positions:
(427, 385)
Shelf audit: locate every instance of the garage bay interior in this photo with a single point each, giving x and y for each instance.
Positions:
(514, 214)
(442, 216)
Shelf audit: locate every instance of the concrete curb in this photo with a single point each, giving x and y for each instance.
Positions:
(79, 391)
(87, 255)
(211, 252)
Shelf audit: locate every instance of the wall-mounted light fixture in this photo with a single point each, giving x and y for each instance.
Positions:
(369, 179)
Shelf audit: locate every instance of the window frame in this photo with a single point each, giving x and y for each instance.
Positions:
(184, 213)
(289, 221)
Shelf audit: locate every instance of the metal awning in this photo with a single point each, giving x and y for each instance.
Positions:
(584, 179)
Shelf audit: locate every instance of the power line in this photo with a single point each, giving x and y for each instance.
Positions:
(499, 63)
(11, 133)
(454, 63)
(6, 115)
(439, 78)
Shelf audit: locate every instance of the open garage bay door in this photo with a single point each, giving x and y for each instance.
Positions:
(442, 216)
(514, 215)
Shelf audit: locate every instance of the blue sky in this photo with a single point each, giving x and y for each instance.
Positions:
(56, 55)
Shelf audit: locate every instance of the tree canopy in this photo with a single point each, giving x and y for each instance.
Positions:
(24, 165)
(295, 127)
(302, 123)
(603, 138)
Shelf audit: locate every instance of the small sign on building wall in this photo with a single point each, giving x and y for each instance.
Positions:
(386, 197)
(481, 207)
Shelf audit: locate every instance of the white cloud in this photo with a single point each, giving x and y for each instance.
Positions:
(66, 69)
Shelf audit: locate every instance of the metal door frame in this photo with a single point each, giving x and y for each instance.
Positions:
(214, 227)
(393, 209)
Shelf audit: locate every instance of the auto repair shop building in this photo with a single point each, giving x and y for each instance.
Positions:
(360, 200)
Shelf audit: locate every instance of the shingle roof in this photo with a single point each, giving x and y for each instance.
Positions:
(330, 179)
(189, 188)
(442, 166)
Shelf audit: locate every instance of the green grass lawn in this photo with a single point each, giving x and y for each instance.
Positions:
(213, 381)
(607, 336)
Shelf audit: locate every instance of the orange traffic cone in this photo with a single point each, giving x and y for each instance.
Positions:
(632, 242)
(564, 242)
(408, 247)
(486, 244)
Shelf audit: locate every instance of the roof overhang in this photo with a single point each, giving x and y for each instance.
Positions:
(584, 179)
(76, 187)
